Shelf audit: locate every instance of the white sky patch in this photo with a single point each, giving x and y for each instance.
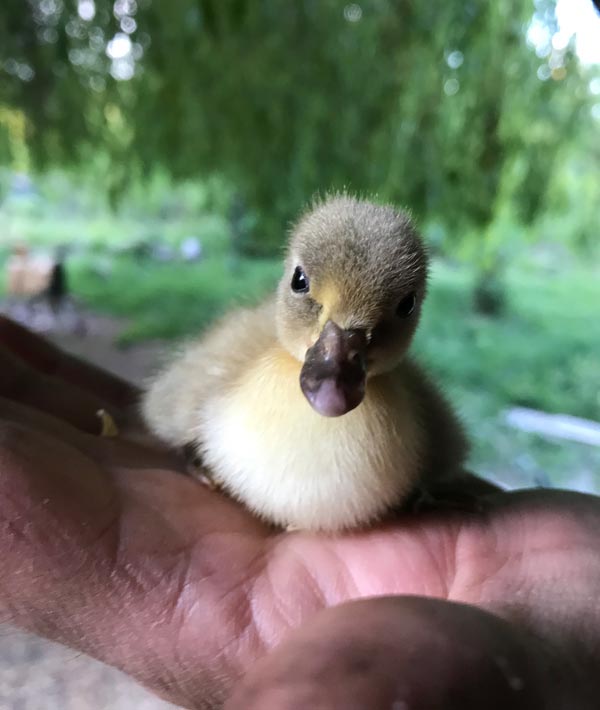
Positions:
(86, 10)
(123, 69)
(119, 46)
(579, 18)
(539, 36)
(128, 25)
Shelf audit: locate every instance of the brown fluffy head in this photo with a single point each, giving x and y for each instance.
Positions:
(366, 270)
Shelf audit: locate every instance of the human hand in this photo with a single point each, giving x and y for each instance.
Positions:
(107, 548)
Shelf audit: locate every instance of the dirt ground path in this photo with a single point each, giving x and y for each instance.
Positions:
(92, 337)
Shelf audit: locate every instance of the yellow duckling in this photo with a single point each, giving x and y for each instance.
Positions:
(306, 408)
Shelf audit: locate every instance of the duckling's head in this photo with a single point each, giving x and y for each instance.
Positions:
(350, 298)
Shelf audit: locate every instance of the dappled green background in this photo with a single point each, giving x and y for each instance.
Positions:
(143, 123)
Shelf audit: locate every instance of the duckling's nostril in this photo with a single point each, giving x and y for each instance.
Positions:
(355, 357)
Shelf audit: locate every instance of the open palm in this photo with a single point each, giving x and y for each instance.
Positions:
(109, 549)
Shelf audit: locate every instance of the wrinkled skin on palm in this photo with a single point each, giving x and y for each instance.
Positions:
(107, 547)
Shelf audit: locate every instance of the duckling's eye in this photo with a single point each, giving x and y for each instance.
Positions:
(300, 281)
(407, 305)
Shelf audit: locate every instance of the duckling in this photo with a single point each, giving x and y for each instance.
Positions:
(306, 408)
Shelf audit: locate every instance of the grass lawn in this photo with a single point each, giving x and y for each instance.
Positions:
(544, 352)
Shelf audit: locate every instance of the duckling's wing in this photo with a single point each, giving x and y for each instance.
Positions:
(203, 368)
(445, 444)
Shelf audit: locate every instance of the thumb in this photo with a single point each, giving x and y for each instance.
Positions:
(395, 653)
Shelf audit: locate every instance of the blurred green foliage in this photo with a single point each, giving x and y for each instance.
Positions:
(437, 106)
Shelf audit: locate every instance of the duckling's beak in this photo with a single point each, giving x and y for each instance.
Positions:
(334, 371)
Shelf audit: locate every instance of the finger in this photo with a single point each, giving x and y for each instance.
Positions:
(22, 383)
(111, 451)
(46, 358)
(396, 653)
